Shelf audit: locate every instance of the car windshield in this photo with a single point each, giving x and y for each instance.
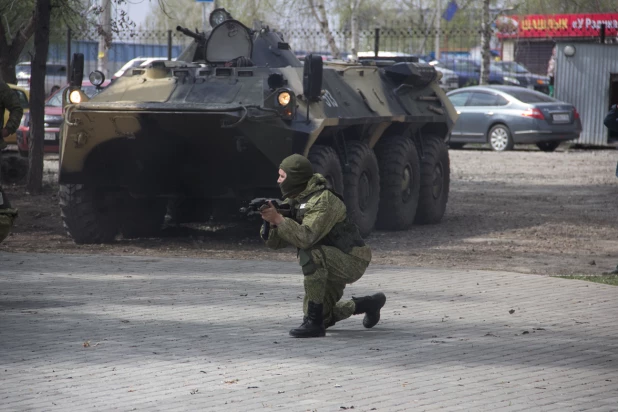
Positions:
(529, 96)
(513, 67)
(56, 99)
(23, 99)
(50, 69)
(22, 68)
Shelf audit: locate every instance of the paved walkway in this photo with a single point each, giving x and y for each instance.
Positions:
(81, 333)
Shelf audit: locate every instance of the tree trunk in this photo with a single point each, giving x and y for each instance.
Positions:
(10, 51)
(485, 43)
(319, 12)
(105, 36)
(354, 28)
(37, 96)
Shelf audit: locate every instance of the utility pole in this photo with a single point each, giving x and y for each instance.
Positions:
(106, 35)
(437, 26)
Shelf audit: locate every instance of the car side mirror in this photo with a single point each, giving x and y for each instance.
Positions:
(312, 77)
(77, 70)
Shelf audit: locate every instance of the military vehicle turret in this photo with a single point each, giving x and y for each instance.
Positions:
(212, 127)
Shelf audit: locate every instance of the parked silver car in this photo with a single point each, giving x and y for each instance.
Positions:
(507, 115)
(55, 76)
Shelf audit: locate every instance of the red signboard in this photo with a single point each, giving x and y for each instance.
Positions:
(557, 25)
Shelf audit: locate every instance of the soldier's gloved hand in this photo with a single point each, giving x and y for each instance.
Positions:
(4, 133)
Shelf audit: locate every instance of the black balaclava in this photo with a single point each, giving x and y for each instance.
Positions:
(299, 170)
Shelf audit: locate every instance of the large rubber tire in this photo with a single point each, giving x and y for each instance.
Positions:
(548, 146)
(435, 181)
(326, 162)
(89, 214)
(142, 217)
(361, 190)
(400, 182)
(500, 139)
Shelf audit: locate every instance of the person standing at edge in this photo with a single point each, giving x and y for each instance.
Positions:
(10, 102)
(331, 252)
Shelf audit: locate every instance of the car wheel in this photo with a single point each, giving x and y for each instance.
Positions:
(500, 139)
(548, 146)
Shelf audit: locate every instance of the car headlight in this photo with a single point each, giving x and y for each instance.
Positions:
(512, 80)
(541, 81)
(97, 78)
(75, 97)
(284, 98)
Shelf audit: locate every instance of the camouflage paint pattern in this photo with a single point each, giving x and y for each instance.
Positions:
(319, 210)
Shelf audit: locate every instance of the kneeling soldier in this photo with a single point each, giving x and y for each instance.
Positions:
(331, 251)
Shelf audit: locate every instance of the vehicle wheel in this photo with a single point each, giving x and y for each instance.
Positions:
(548, 146)
(326, 162)
(435, 181)
(142, 217)
(400, 182)
(88, 213)
(456, 146)
(361, 189)
(500, 139)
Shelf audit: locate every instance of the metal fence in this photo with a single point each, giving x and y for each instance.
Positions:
(460, 43)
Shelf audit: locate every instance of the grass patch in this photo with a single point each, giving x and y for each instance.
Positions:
(605, 279)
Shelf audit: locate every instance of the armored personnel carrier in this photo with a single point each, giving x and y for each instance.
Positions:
(208, 131)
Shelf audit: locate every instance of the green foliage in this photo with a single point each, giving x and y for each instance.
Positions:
(167, 14)
(566, 6)
(604, 279)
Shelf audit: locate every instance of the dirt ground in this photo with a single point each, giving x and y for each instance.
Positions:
(523, 211)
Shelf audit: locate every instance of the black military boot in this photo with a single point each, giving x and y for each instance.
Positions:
(370, 306)
(313, 327)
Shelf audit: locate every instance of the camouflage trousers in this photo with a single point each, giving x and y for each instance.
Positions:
(331, 270)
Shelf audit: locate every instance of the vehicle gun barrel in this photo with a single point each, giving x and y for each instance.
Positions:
(187, 32)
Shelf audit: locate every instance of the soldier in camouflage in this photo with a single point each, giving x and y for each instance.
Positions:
(10, 102)
(331, 252)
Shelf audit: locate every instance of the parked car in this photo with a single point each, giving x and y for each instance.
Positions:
(507, 115)
(53, 120)
(55, 76)
(448, 81)
(469, 72)
(136, 62)
(24, 100)
(524, 76)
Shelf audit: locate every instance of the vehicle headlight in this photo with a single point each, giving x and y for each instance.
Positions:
(512, 80)
(284, 98)
(97, 78)
(75, 97)
(541, 81)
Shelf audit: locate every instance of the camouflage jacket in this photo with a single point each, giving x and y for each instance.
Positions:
(319, 210)
(10, 102)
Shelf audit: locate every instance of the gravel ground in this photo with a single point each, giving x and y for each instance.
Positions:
(523, 211)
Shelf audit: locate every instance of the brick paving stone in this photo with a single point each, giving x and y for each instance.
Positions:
(172, 334)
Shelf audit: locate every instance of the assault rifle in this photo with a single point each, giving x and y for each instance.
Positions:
(256, 206)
